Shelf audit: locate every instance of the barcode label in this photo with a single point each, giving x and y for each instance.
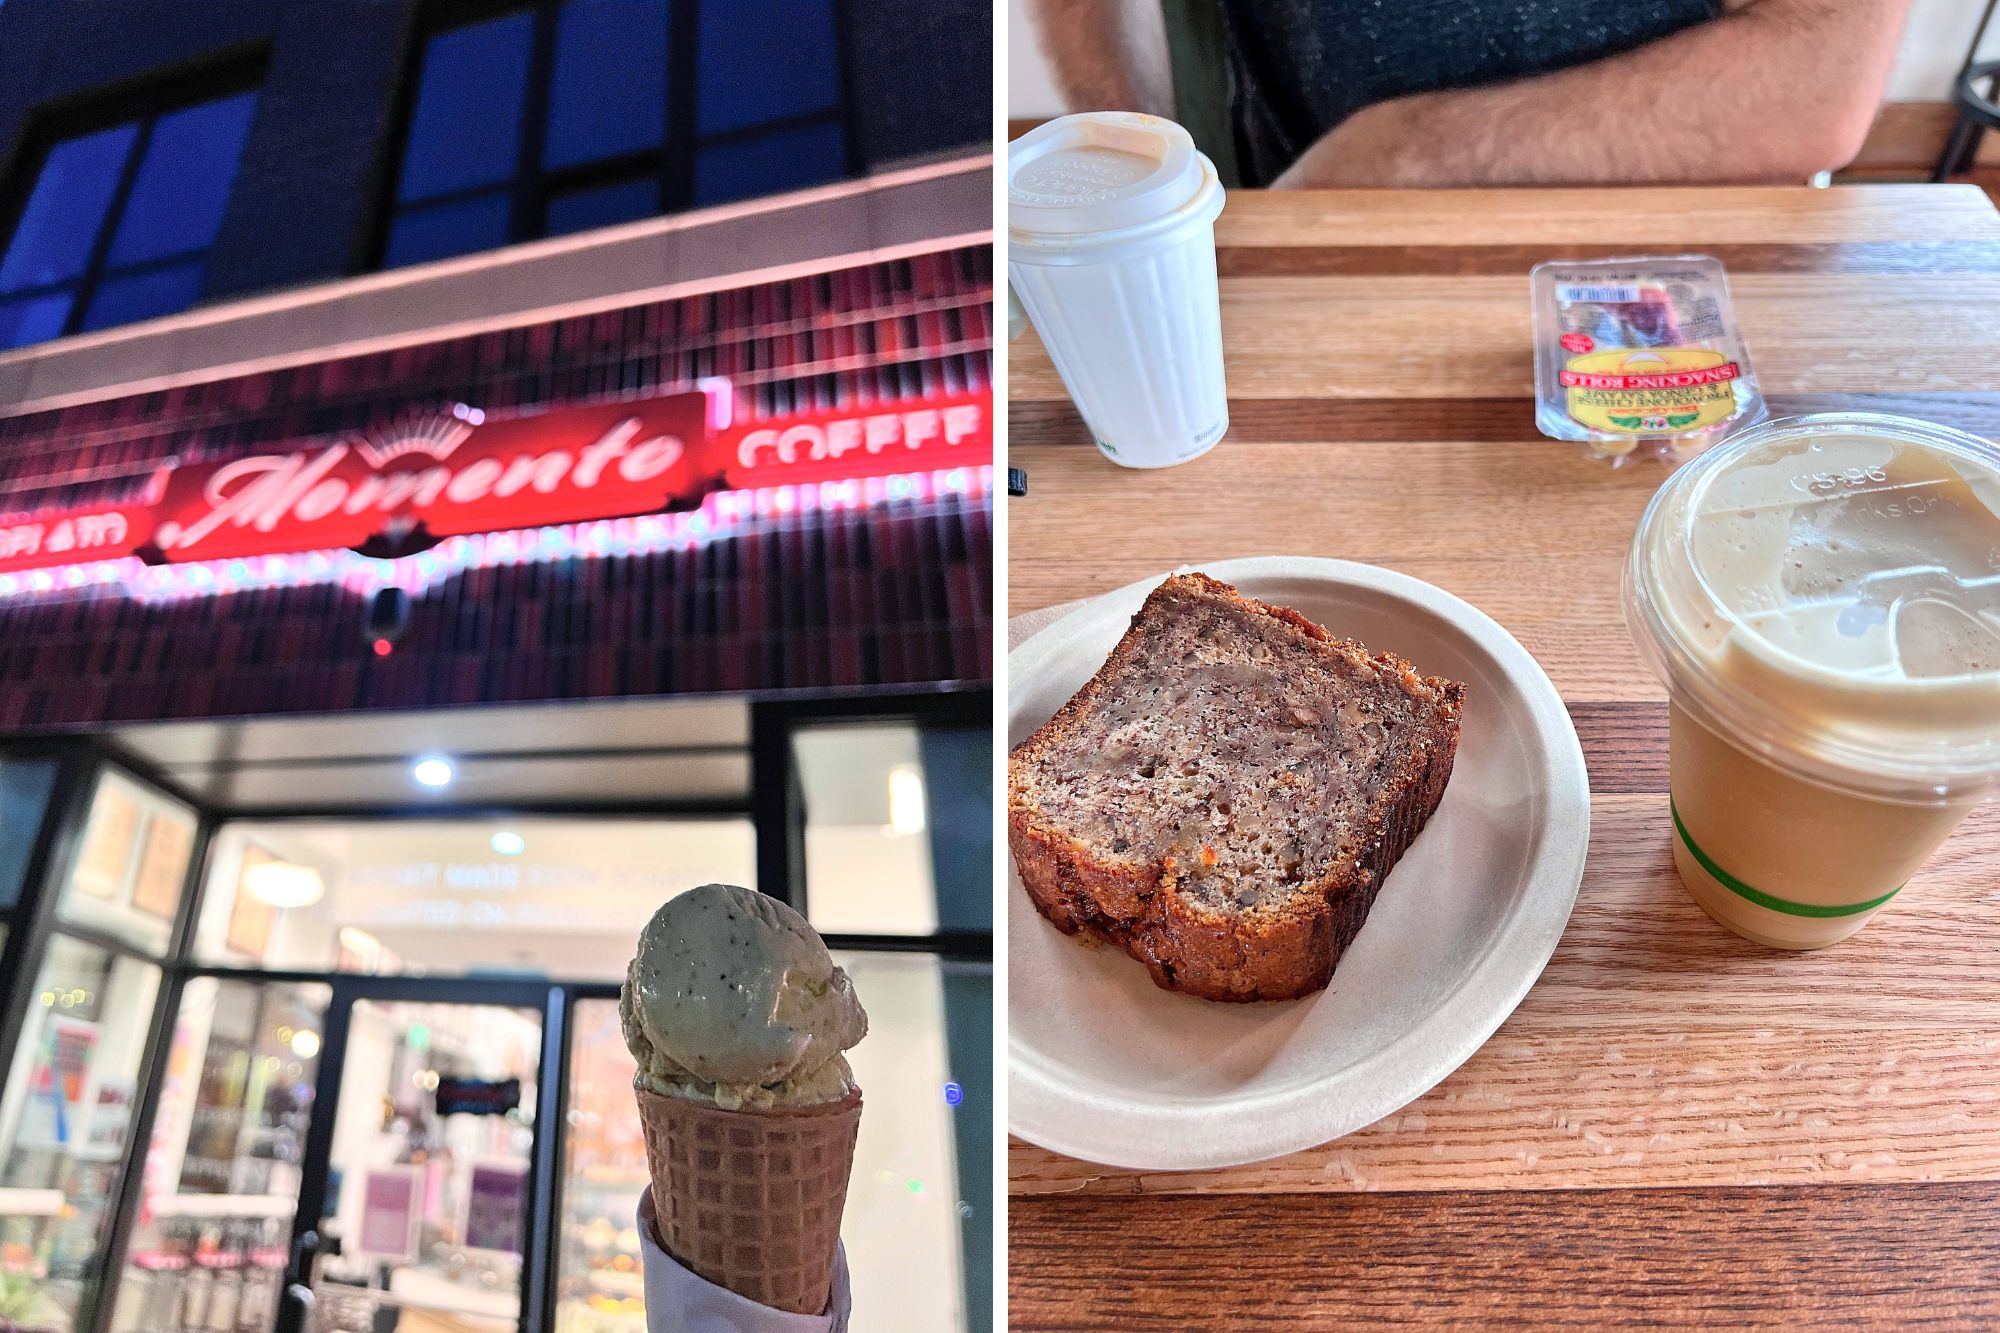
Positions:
(1569, 295)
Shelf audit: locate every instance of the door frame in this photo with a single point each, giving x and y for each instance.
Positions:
(315, 1158)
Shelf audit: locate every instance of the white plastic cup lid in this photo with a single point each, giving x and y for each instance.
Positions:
(1102, 172)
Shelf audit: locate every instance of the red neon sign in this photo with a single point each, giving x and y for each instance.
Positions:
(861, 441)
(73, 536)
(397, 490)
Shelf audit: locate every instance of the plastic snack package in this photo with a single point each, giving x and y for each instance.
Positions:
(1640, 357)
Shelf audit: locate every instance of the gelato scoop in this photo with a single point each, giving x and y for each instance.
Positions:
(733, 998)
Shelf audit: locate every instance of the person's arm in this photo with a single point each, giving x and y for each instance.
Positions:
(1107, 55)
(1773, 92)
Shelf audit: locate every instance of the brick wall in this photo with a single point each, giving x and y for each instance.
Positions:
(896, 595)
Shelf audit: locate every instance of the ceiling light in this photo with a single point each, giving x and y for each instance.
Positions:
(359, 942)
(509, 843)
(305, 1044)
(433, 772)
(284, 885)
(906, 800)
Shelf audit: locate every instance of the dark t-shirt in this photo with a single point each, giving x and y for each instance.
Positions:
(1300, 67)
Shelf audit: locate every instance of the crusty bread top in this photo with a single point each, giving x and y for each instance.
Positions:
(1233, 748)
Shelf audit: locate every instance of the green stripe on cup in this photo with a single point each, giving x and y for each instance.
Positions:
(1758, 896)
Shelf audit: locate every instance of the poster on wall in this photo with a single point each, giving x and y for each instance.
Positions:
(495, 1207)
(108, 839)
(110, 1120)
(55, 1088)
(163, 865)
(250, 916)
(390, 1197)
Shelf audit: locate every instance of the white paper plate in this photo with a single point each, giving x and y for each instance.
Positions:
(1108, 1067)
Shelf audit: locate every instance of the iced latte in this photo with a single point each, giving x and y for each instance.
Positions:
(1821, 596)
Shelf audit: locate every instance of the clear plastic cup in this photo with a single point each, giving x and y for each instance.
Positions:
(1111, 249)
(1821, 597)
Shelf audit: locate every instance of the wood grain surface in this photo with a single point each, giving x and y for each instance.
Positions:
(1380, 382)
(1777, 1259)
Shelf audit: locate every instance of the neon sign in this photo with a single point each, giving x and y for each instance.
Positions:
(720, 514)
(404, 488)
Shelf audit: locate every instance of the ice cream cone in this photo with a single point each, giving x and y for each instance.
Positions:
(751, 1199)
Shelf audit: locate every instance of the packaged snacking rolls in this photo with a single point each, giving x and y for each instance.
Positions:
(1640, 357)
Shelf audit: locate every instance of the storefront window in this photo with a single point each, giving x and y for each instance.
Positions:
(89, 251)
(899, 834)
(913, 1192)
(66, 1113)
(24, 799)
(222, 1171)
(552, 897)
(131, 866)
(903, 1201)
(610, 110)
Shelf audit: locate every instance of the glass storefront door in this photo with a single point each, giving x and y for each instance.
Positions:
(415, 1200)
(222, 1173)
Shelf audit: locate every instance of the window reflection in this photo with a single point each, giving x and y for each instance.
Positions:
(766, 62)
(65, 1117)
(222, 1171)
(624, 123)
(602, 206)
(52, 241)
(769, 163)
(182, 186)
(898, 827)
(466, 127)
(904, 1200)
(439, 232)
(608, 87)
(24, 795)
(180, 165)
(160, 291)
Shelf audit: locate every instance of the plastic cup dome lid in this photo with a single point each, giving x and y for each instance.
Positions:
(1101, 171)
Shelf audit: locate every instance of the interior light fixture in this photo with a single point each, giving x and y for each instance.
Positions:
(509, 843)
(283, 884)
(305, 1043)
(432, 771)
(365, 947)
(906, 800)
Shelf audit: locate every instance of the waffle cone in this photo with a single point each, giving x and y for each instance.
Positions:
(751, 1199)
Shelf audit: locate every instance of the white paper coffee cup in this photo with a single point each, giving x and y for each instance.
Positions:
(1111, 249)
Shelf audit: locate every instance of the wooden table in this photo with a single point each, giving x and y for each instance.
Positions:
(1676, 1126)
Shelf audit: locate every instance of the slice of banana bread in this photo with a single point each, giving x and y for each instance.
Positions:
(1224, 798)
